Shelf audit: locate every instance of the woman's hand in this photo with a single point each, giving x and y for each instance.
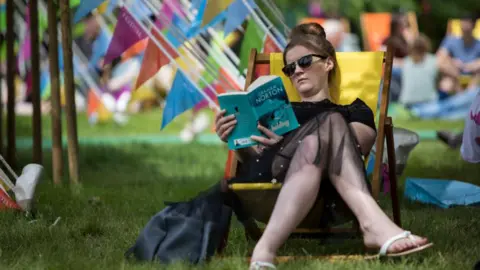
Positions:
(266, 142)
(224, 124)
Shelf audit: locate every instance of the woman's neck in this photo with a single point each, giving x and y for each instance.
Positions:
(319, 96)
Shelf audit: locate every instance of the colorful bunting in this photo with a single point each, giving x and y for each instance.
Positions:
(253, 38)
(85, 7)
(237, 12)
(183, 96)
(177, 36)
(127, 33)
(167, 11)
(214, 8)
(154, 58)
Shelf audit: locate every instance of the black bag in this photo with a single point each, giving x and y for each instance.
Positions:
(185, 231)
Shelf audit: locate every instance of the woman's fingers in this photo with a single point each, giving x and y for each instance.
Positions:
(224, 120)
(269, 133)
(226, 127)
(263, 140)
(219, 115)
(225, 134)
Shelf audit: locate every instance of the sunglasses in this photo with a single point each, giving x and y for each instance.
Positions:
(303, 62)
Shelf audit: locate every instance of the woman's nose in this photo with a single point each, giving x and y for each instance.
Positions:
(298, 69)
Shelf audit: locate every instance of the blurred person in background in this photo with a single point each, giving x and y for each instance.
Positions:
(419, 74)
(400, 39)
(459, 56)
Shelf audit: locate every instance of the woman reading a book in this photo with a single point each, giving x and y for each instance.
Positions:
(323, 156)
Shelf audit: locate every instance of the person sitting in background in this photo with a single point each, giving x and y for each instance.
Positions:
(459, 56)
(419, 74)
(399, 41)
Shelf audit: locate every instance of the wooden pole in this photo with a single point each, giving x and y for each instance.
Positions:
(57, 162)
(11, 149)
(35, 68)
(69, 91)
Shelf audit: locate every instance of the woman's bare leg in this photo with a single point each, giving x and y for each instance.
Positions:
(346, 172)
(294, 201)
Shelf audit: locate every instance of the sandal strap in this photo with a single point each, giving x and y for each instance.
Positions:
(260, 265)
(386, 245)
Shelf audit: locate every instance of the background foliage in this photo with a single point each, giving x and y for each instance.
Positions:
(432, 15)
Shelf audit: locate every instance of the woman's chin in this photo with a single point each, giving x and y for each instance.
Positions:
(304, 88)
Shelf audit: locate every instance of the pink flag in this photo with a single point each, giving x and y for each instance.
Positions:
(127, 33)
(169, 7)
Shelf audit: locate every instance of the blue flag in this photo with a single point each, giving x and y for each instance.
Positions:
(237, 12)
(85, 7)
(195, 27)
(177, 36)
(183, 95)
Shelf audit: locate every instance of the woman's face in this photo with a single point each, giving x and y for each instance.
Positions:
(311, 79)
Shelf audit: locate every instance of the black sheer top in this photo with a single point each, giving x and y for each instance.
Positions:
(259, 168)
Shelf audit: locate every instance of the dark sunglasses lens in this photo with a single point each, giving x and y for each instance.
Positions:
(305, 61)
(289, 69)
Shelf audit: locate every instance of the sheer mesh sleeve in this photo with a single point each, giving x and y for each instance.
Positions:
(360, 112)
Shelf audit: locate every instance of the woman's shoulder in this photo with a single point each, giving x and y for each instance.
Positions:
(358, 102)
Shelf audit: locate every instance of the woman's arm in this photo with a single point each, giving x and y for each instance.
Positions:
(365, 136)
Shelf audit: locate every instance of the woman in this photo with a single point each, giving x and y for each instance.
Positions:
(326, 149)
(399, 40)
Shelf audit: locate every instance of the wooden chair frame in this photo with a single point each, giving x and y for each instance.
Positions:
(384, 132)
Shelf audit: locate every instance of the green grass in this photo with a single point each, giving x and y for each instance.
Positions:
(149, 123)
(130, 183)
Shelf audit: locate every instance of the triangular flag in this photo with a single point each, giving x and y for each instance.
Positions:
(253, 38)
(270, 46)
(237, 12)
(85, 7)
(182, 96)
(214, 8)
(154, 58)
(167, 11)
(127, 33)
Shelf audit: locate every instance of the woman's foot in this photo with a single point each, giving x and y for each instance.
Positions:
(262, 255)
(376, 236)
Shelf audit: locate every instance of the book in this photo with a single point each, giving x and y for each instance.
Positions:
(265, 101)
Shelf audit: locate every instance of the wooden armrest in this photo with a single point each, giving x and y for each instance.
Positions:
(255, 186)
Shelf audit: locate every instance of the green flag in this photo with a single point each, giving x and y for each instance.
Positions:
(253, 38)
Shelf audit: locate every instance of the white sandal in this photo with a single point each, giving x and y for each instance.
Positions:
(386, 245)
(261, 265)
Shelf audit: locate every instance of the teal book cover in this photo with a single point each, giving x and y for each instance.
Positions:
(265, 101)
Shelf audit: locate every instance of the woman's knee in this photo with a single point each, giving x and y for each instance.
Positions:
(308, 148)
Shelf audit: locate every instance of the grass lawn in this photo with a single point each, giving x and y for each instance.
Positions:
(149, 123)
(132, 181)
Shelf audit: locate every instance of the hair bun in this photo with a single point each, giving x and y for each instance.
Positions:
(308, 29)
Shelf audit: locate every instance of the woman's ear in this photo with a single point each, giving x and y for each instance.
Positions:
(329, 64)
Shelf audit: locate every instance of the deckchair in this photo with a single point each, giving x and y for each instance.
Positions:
(376, 28)
(360, 76)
